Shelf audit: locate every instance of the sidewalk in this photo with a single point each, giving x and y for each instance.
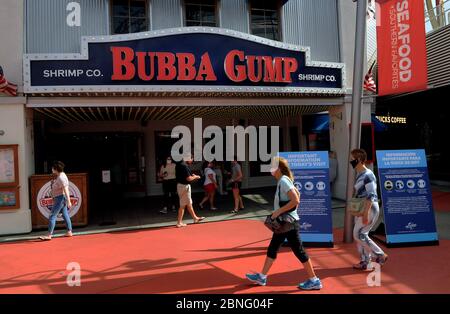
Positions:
(144, 214)
(441, 198)
(138, 214)
(207, 258)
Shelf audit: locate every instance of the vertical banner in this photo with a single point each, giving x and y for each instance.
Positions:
(406, 194)
(311, 176)
(402, 57)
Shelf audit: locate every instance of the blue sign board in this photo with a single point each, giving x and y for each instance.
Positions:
(311, 176)
(406, 195)
(183, 59)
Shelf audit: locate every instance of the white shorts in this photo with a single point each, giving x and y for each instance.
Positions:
(184, 194)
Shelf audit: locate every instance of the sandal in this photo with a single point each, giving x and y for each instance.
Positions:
(361, 266)
(382, 259)
(234, 211)
(181, 225)
(199, 220)
(45, 238)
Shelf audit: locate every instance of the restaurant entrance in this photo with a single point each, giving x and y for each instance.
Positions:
(113, 161)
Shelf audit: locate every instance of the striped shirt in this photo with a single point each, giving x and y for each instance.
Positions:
(366, 185)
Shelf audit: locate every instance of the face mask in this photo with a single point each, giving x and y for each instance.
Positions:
(169, 161)
(354, 163)
(273, 171)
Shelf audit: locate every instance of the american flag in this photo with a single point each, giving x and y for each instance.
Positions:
(369, 82)
(7, 87)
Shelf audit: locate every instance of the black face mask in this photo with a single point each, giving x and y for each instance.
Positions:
(354, 163)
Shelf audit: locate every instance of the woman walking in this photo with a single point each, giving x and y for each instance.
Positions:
(287, 199)
(209, 185)
(366, 187)
(236, 182)
(61, 200)
(169, 183)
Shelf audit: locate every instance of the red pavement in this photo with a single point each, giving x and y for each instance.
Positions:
(441, 201)
(206, 258)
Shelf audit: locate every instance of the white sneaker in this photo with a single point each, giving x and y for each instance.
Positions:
(164, 211)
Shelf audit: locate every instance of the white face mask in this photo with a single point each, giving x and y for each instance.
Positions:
(169, 161)
(273, 171)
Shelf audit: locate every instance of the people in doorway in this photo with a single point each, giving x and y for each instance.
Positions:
(61, 200)
(209, 185)
(366, 187)
(287, 199)
(218, 169)
(184, 178)
(333, 167)
(236, 182)
(167, 176)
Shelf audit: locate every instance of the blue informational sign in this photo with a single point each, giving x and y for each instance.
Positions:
(311, 176)
(406, 195)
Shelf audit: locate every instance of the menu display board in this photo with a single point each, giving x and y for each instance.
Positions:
(9, 177)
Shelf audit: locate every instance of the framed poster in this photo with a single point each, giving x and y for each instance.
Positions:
(9, 198)
(9, 166)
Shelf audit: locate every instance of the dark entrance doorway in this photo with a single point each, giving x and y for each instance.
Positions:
(120, 153)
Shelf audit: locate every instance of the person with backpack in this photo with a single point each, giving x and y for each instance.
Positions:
(287, 199)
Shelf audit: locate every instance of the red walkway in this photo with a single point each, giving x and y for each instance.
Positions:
(207, 258)
(441, 201)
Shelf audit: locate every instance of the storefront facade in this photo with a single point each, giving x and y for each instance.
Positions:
(105, 83)
(409, 126)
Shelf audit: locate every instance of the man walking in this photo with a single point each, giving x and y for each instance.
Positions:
(184, 177)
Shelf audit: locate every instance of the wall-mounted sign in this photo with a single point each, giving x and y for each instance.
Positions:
(9, 177)
(106, 176)
(183, 59)
(402, 55)
(9, 198)
(392, 120)
(9, 167)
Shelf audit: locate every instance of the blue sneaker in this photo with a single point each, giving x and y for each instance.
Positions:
(257, 278)
(311, 284)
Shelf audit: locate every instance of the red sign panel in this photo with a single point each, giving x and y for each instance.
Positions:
(402, 59)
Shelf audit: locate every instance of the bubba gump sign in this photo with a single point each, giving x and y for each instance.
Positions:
(167, 66)
(185, 59)
(42, 202)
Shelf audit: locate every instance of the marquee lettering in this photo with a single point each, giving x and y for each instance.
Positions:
(167, 66)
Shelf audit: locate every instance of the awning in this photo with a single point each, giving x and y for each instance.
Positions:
(149, 113)
(321, 123)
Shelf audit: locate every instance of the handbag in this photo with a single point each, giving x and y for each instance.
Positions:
(356, 206)
(282, 224)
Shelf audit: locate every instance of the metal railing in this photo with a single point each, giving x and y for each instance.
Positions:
(437, 17)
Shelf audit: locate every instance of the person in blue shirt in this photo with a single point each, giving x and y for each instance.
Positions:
(366, 187)
(289, 197)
